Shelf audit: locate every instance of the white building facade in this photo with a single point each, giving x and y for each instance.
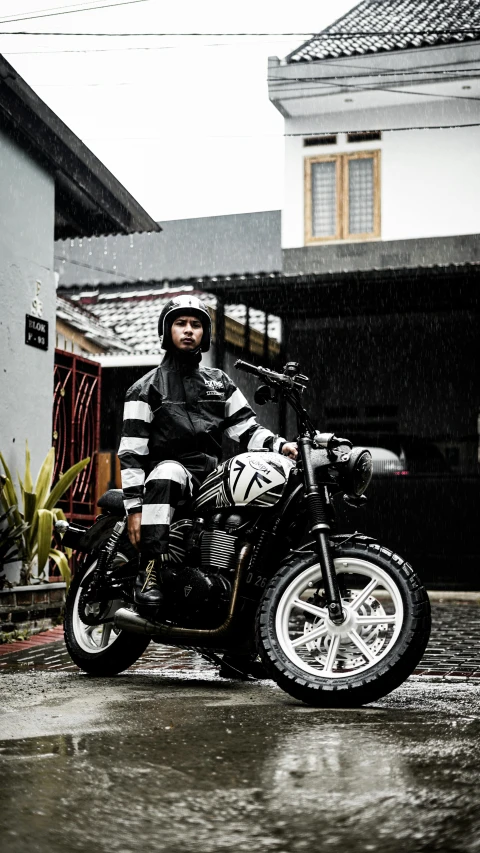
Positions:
(413, 115)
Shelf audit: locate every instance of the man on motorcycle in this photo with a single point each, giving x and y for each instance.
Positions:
(174, 417)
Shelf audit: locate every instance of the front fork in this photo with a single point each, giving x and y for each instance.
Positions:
(320, 529)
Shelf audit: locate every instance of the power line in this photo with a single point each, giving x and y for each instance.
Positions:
(69, 12)
(346, 35)
(367, 75)
(26, 15)
(305, 135)
(348, 87)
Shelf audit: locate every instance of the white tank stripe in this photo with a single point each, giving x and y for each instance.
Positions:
(129, 444)
(137, 411)
(234, 403)
(157, 514)
(237, 430)
(132, 477)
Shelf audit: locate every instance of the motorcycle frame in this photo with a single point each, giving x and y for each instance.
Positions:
(234, 630)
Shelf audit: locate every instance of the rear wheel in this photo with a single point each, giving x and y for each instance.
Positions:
(379, 644)
(99, 649)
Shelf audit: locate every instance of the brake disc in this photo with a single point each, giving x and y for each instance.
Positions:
(348, 655)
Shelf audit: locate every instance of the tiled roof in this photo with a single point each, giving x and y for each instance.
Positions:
(85, 321)
(132, 316)
(375, 26)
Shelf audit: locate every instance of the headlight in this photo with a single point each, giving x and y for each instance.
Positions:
(358, 471)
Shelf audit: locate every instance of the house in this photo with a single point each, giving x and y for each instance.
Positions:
(124, 281)
(380, 259)
(375, 274)
(52, 187)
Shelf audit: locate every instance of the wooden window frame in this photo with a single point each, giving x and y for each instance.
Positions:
(342, 212)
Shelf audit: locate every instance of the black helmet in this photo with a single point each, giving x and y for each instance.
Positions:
(187, 305)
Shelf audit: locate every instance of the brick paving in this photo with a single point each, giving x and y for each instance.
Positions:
(453, 653)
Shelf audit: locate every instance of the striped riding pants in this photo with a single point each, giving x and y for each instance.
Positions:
(165, 487)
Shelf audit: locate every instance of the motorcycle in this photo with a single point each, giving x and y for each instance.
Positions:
(258, 569)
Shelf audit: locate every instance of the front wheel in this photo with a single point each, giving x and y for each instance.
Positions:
(379, 644)
(99, 649)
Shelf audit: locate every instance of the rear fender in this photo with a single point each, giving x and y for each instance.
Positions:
(96, 535)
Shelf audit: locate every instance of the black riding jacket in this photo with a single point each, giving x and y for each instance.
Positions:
(179, 411)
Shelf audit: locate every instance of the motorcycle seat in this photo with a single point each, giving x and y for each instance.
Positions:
(112, 502)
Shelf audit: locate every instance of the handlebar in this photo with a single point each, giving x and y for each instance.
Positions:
(292, 385)
(270, 376)
(246, 367)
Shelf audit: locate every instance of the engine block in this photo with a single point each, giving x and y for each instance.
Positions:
(218, 550)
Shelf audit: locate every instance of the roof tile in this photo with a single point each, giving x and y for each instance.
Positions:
(376, 26)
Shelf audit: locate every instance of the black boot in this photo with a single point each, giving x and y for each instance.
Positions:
(147, 593)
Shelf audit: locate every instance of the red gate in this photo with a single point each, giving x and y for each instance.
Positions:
(76, 429)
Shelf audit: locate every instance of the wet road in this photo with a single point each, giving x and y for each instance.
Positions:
(172, 758)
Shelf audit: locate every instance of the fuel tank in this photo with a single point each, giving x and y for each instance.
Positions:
(255, 479)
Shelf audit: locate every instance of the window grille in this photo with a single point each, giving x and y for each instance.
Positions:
(342, 196)
(324, 193)
(360, 196)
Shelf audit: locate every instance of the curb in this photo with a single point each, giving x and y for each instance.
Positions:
(439, 596)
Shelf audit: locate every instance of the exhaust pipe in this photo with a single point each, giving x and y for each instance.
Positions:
(131, 621)
(127, 620)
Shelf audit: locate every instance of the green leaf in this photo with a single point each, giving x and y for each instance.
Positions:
(9, 499)
(28, 473)
(44, 537)
(6, 469)
(29, 506)
(44, 479)
(64, 483)
(61, 561)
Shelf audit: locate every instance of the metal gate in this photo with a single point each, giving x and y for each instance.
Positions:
(76, 429)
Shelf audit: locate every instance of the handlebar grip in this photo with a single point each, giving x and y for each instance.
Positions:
(246, 367)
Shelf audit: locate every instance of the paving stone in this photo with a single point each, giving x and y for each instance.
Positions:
(452, 653)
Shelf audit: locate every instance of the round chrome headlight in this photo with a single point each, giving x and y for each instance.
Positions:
(358, 473)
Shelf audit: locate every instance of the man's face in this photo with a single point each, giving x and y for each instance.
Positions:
(187, 333)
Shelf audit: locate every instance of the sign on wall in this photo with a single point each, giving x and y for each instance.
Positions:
(36, 332)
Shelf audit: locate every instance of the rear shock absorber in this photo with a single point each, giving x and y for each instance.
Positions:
(108, 551)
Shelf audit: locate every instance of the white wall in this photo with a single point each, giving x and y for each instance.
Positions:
(430, 179)
(26, 256)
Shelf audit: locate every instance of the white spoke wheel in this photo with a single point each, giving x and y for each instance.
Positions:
(378, 645)
(99, 649)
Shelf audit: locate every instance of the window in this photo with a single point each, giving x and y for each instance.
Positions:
(342, 197)
(328, 139)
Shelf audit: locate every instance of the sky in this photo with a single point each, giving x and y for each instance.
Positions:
(183, 122)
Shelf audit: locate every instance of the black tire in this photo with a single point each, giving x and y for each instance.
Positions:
(121, 652)
(398, 656)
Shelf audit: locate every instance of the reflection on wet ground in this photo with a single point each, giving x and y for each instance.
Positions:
(201, 765)
(169, 757)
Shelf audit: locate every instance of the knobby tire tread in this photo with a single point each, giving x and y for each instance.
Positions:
(122, 653)
(368, 686)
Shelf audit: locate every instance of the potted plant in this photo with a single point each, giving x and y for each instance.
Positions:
(31, 528)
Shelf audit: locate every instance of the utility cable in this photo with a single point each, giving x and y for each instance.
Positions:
(353, 87)
(69, 12)
(304, 135)
(108, 85)
(424, 33)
